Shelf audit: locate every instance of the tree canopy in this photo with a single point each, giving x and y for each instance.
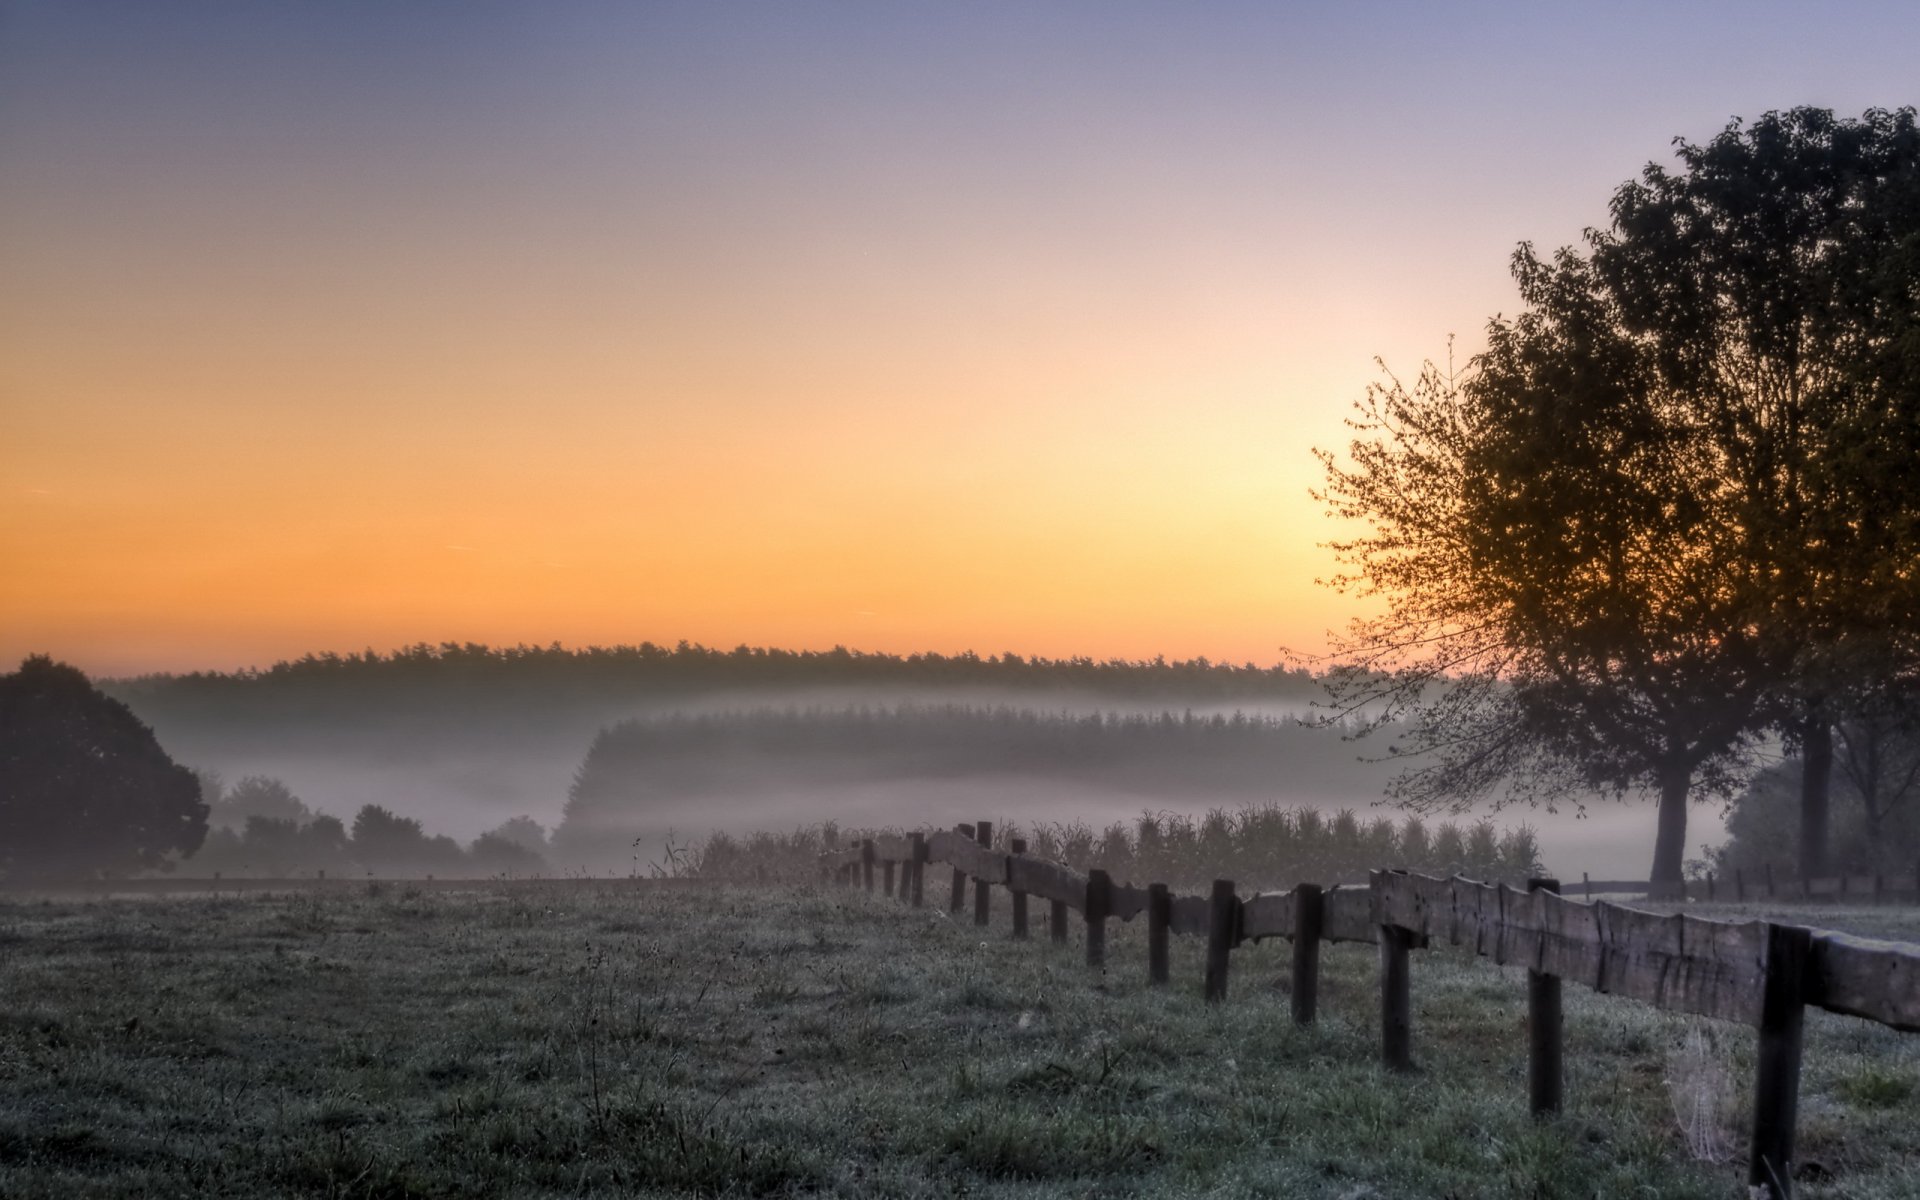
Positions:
(1671, 494)
(84, 786)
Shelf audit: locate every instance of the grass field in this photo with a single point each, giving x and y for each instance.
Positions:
(575, 1039)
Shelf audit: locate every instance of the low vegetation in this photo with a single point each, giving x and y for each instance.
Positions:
(573, 1038)
(1260, 846)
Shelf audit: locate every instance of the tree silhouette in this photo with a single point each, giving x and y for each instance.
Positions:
(84, 786)
(384, 841)
(1671, 498)
(256, 796)
(1774, 282)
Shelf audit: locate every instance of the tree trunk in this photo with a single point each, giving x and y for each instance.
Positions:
(1816, 783)
(1670, 842)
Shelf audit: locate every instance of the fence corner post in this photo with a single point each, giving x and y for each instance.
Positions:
(959, 877)
(1396, 990)
(1015, 848)
(982, 837)
(1546, 1030)
(1309, 921)
(1099, 904)
(1776, 1095)
(1159, 923)
(1223, 927)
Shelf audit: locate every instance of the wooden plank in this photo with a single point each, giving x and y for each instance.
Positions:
(1267, 914)
(1127, 901)
(1189, 916)
(1864, 977)
(1684, 964)
(888, 848)
(1570, 945)
(963, 854)
(1048, 880)
(1349, 915)
(1416, 903)
(1619, 887)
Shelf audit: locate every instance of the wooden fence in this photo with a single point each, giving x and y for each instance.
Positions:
(1756, 972)
(1738, 887)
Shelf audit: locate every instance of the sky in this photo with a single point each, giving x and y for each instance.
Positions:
(896, 326)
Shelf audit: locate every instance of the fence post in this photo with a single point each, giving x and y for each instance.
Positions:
(1223, 925)
(959, 876)
(1776, 1096)
(886, 886)
(1587, 881)
(1159, 918)
(1545, 1027)
(866, 861)
(1017, 847)
(1771, 893)
(1396, 993)
(983, 836)
(1309, 919)
(1057, 922)
(917, 866)
(1099, 904)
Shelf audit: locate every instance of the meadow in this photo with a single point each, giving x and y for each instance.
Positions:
(666, 1038)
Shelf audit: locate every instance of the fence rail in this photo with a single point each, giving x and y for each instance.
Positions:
(1737, 886)
(1756, 972)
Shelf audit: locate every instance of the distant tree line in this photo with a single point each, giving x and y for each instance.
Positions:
(1875, 812)
(637, 769)
(258, 827)
(1256, 845)
(448, 680)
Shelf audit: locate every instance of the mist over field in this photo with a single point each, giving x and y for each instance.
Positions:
(465, 741)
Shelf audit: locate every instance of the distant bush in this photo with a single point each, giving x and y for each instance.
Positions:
(381, 842)
(1763, 822)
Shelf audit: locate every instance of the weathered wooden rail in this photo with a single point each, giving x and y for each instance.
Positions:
(1756, 972)
(1739, 887)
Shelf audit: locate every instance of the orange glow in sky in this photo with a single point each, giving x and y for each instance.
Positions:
(325, 327)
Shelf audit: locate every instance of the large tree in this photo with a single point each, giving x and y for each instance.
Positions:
(1776, 279)
(1556, 618)
(1674, 495)
(84, 787)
